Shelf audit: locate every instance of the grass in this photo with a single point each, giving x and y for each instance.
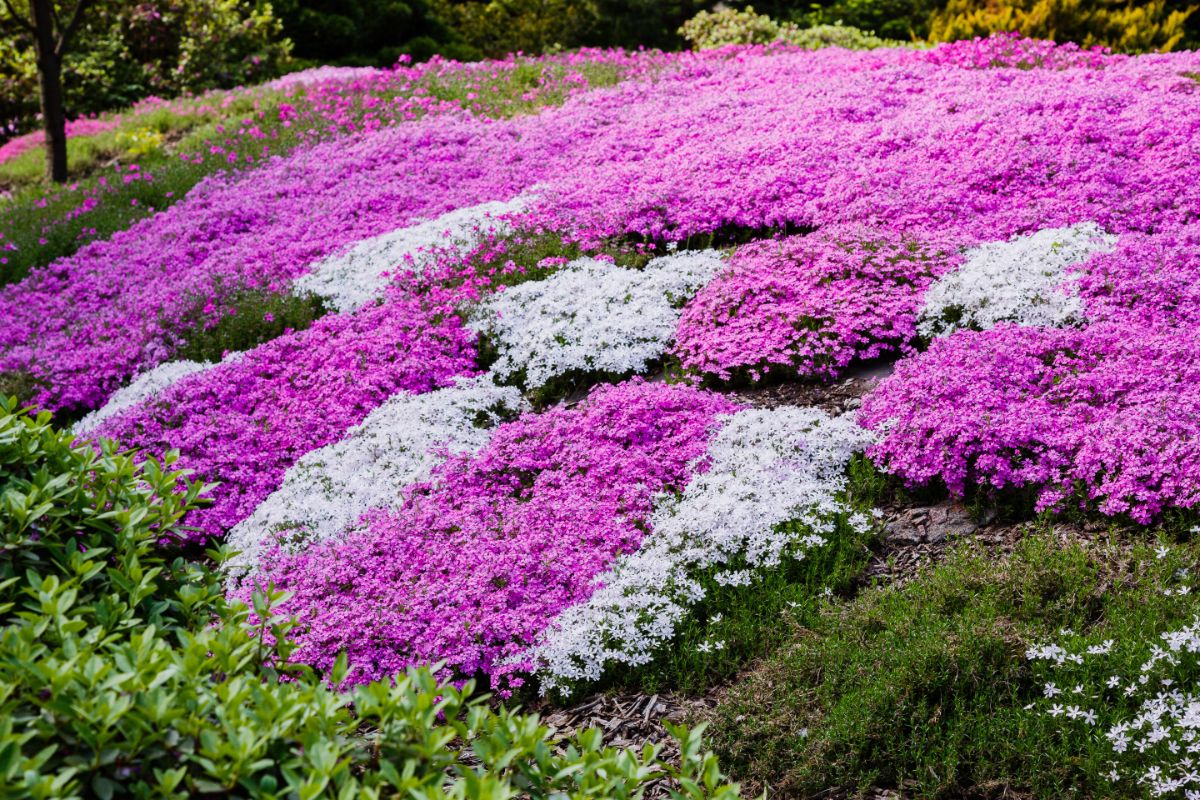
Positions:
(924, 687)
(245, 319)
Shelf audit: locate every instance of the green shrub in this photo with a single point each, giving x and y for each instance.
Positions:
(366, 32)
(927, 685)
(902, 20)
(839, 35)
(1123, 27)
(126, 51)
(710, 29)
(126, 674)
(498, 27)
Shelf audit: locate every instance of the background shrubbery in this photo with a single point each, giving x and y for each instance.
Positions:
(126, 51)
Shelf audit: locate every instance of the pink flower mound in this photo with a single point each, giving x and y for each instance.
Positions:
(810, 305)
(86, 323)
(885, 137)
(77, 127)
(1149, 279)
(478, 561)
(1015, 50)
(245, 422)
(1109, 412)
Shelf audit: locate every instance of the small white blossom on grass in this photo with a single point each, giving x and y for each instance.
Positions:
(351, 279)
(1154, 741)
(765, 468)
(1025, 280)
(397, 444)
(592, 315)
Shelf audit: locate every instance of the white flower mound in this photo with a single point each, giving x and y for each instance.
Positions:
(353, 278)
(767, 467)
(592, 316)
(397, 444)
(145, 386)
(1025, 280)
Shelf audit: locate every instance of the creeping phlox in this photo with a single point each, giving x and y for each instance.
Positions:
(474, 564)
(591, 316)
(1105, 416)
(354, 278)
(810, 305)
(1026, 280)
(245, 422)
(88, 322)
(1150, 719)
(764, 469)
(142, 389)
(813, 139)
(398, 444)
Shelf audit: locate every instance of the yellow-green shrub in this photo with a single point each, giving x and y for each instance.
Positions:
(1122, 27)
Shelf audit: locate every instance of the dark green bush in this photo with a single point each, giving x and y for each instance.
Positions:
(124, 673)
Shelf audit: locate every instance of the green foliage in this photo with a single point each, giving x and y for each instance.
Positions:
(241, 320)
(900, 20)
(735, 625)
(1123, 27)
(125, 51)
(839, 35)
(123, 674)
(498, 27)
(710, 29)
(926, 685)
(366, 32)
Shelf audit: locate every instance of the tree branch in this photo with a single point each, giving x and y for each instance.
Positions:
(17, 18)
(64, 38)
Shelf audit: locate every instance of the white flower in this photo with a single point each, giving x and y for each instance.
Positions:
(397, 444)
(145, 386)
(1024, 280)
(1161, 552)
(592, 316)
(351, 279)
(765, 468)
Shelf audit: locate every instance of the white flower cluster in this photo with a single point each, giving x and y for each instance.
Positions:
(397, 444)
(353, 278)
(1025, 280)
(1160, 745)
(766, 468)
(592, 316)
(145, 386)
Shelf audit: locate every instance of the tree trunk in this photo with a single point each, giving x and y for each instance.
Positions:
(54, 119)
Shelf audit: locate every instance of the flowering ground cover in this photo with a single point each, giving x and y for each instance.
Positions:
(499, 435)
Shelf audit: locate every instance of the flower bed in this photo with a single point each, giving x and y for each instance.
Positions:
(1012, 223)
